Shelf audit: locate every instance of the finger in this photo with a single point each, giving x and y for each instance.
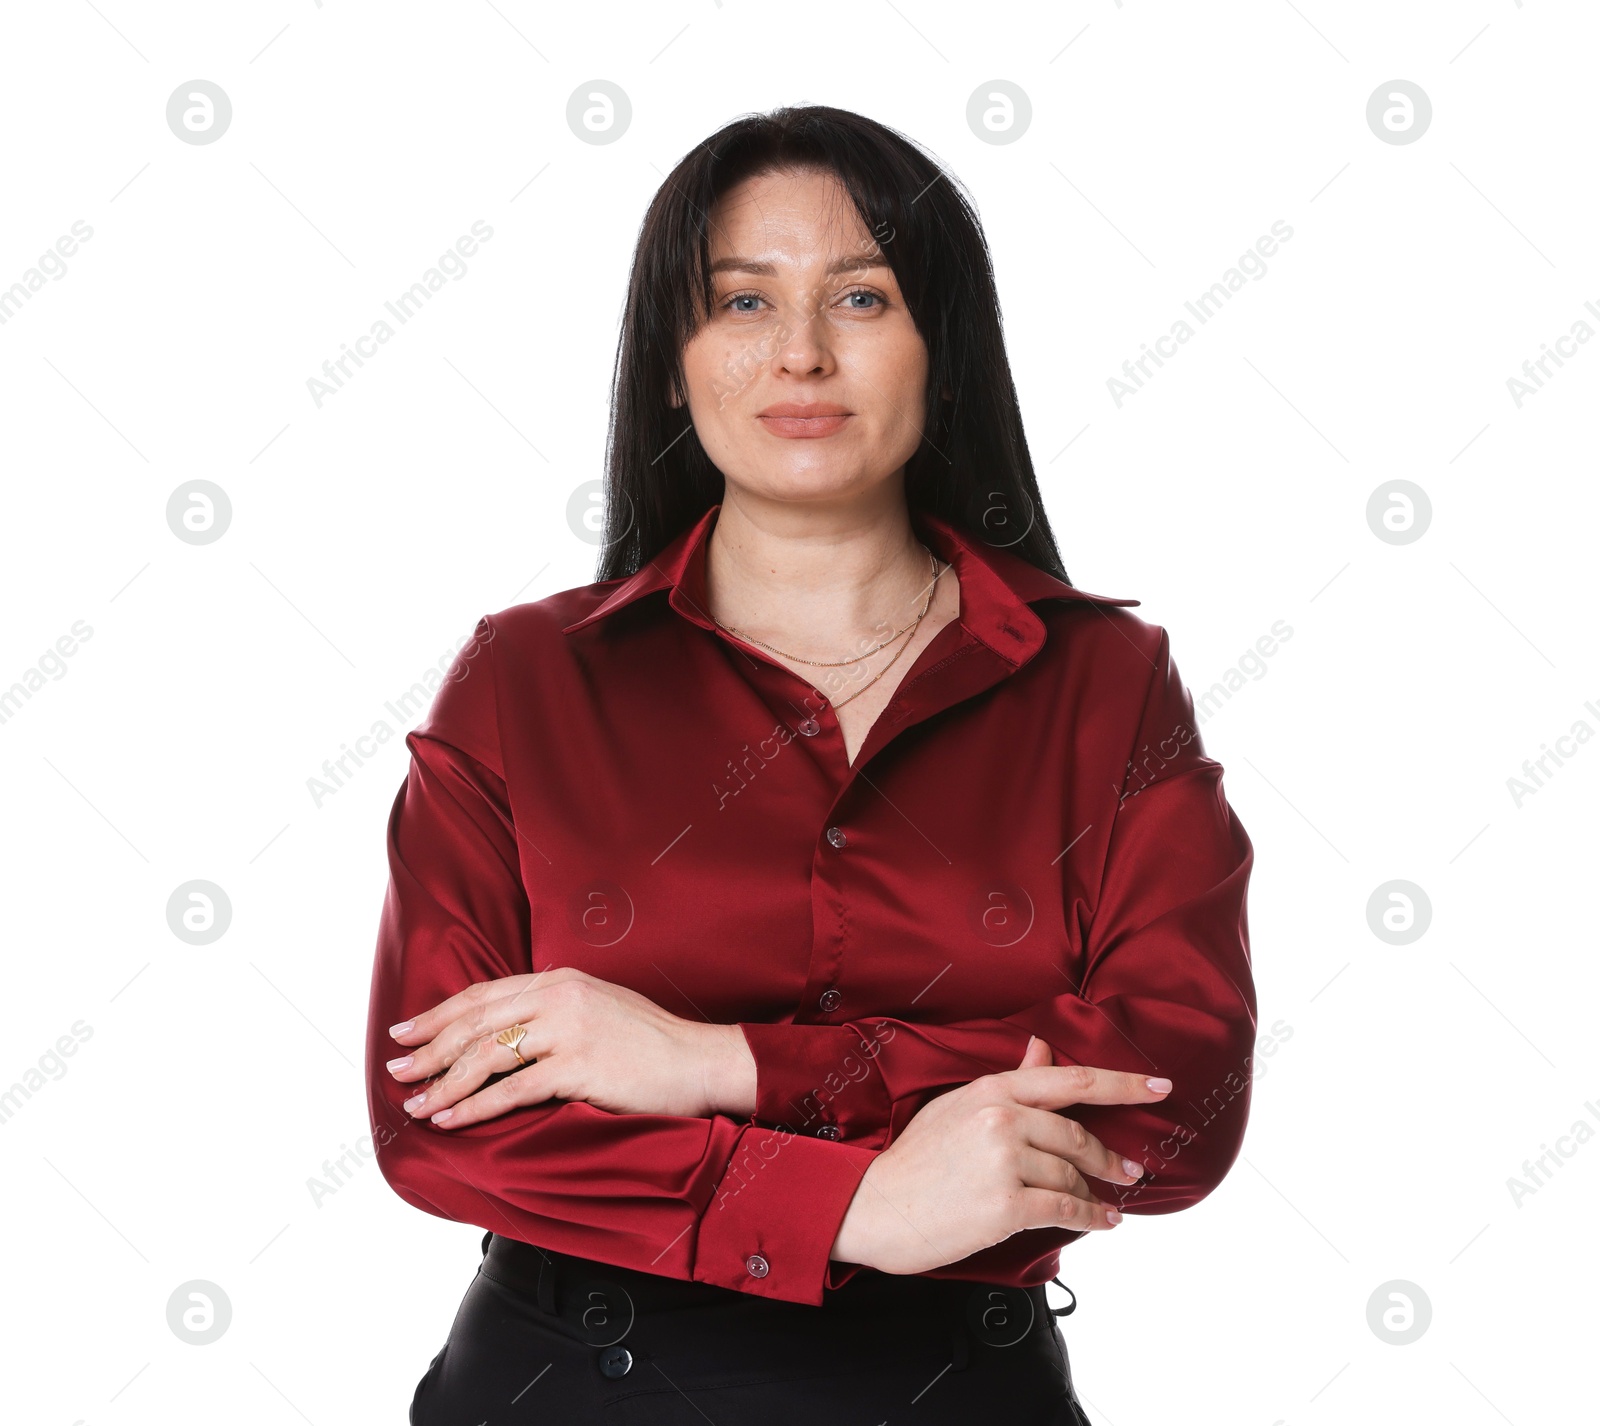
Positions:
(1056, 1086)
(1037, 1053)
(1045, 1170)
(1045, 1208)
(528, 1086)
(428, 1023)
(1068, 1140)
(473, 1036)
(483, 1020)
(486, 1057)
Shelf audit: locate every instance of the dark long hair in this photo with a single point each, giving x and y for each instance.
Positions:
(972, 466)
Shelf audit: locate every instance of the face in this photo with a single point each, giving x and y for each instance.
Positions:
(806, 384)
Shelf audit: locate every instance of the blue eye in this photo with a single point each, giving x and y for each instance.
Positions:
(755, 299)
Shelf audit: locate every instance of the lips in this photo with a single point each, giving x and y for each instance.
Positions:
(796, 420)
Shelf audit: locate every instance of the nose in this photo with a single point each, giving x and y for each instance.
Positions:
(803, 347)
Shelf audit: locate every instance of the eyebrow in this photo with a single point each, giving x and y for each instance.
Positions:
(767, 269)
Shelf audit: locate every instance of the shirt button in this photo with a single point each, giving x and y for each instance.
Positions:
(836, 836)
(829, 1001)
(829, 1131)
(615, 1362)
(810, 727)
(756, 1265)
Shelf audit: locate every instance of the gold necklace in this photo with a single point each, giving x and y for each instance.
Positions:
(839, 703)
(933, 565)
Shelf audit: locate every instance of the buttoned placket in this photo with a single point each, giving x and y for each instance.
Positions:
(954, 665)
(994, 634)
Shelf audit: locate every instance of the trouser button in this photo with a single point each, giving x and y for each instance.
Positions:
(615, 1362)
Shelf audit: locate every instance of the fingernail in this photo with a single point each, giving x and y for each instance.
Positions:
(411, 1105)
(395, 1066)
(442, 1115)
(1112, 1216)
(1132, 1168)
(1161, 1086)
(402, 1027)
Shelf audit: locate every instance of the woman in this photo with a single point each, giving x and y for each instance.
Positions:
(756, 912)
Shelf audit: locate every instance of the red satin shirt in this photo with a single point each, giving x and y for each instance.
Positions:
(1030, 841)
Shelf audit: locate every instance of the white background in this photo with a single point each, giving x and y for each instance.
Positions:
(368, 535)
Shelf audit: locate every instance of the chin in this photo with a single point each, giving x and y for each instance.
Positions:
(810, 482)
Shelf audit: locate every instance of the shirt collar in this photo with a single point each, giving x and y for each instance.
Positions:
(997, 586)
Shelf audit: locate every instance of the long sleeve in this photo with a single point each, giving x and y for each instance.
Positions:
(711, 1200)
(1165, 989)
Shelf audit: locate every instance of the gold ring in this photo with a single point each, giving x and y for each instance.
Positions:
(511, 1038)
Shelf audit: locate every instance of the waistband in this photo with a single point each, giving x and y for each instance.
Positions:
(549, 1278)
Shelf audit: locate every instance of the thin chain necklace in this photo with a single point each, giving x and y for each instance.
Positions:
(933, 565)
(839, 703)
(927, 604)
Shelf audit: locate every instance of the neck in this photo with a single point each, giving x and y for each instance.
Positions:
(816, 579)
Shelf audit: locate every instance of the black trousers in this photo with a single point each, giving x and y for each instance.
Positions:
(544, 1337)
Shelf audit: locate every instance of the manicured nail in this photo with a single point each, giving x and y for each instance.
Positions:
(1112, 1216)
(1161, 1086)
(404, 1062)
(1132, 1168)
(402, 1027)
(442, 1115)
(411, 1105)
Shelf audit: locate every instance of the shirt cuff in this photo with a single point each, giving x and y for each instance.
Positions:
(820, 1080)
(772, 1224)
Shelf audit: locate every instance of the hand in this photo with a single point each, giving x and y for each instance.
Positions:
(987, 1160)
(594, 1041)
